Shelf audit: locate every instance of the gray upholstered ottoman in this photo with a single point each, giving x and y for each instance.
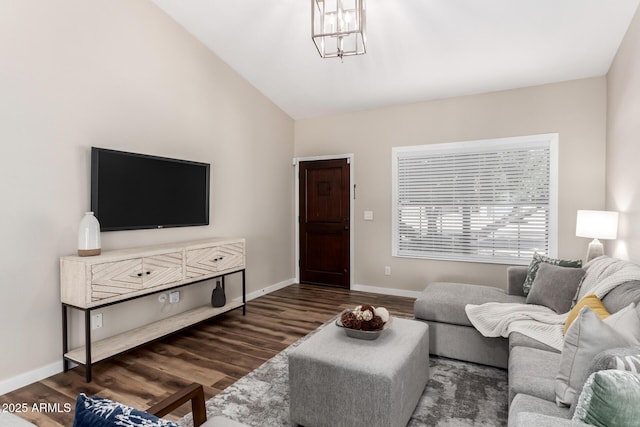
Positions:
(335, 380)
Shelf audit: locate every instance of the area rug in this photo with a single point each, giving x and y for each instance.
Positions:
(458, 394)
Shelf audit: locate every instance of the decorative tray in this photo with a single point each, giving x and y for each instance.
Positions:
(362, 334)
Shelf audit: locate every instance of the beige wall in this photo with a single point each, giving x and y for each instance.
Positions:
(623, 143)
(575, 110)
(121, 74)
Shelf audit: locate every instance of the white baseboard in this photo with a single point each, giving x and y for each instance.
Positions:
(30, 377)
(269, 289)
(386, 291)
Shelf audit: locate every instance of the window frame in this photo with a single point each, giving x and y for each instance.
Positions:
(550, 141)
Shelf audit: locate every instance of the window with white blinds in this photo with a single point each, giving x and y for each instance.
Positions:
(481, 201)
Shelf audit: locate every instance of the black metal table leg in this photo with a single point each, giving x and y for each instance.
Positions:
(87, 339)
(65, 339)
(244, 298)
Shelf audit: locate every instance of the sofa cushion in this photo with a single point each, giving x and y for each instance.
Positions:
(516, 275)
(527, 403)
(535, 264)
(587, 336)
(622, 295)
(444, 302)
(610, 398)
(466, 343)
(532, 371)
(531, 419)
(555, 287)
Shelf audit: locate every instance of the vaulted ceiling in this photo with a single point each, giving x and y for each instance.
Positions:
(417, 50)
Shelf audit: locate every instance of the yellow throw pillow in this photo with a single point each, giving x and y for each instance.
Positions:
(591, 301)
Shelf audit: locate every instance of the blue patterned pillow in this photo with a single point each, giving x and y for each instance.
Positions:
(99, 412)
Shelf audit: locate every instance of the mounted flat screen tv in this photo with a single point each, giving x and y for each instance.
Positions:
(132, 191)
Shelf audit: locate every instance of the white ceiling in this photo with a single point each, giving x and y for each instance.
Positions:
(417, 50)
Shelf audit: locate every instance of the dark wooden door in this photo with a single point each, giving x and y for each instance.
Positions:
(324, 222)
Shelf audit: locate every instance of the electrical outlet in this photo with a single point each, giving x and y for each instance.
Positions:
(174, 297)
(96, 321)
(387, 271)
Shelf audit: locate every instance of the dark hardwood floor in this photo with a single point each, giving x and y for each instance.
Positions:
(215, 353)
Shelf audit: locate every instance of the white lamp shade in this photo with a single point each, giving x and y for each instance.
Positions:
(597, 224)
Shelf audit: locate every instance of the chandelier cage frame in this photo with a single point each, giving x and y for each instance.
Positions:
(338, 27)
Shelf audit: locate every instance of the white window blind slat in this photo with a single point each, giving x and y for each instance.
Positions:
(485, 201)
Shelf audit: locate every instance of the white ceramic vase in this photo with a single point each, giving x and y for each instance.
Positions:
(89, 235)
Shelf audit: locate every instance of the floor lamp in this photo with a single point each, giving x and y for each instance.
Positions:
(596, 225)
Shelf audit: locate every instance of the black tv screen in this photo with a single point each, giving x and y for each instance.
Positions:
(134, 191)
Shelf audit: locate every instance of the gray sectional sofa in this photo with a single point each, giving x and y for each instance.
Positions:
(532, 366)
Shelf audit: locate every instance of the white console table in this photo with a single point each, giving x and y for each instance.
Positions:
(90, 283)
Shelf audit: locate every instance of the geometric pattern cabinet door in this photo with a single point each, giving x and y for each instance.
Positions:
(211, 260)
(122, 277)
(161, 270)
(111, 279)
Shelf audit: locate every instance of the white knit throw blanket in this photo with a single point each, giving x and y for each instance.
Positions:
(541, 323)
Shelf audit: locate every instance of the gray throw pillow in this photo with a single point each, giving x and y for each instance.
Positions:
(622, 295)
(587, 336)
(535, 264)
(555, 286)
